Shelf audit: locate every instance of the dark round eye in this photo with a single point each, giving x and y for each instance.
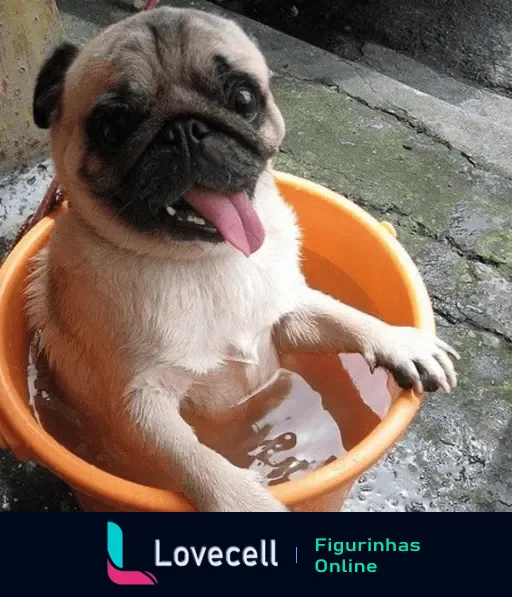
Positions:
(244, 102)
(111, 132)
(109, 128)
(113, 128)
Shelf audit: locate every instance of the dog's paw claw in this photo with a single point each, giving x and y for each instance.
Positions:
(417, 360)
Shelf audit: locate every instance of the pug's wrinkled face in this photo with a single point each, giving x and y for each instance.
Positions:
(164, 122)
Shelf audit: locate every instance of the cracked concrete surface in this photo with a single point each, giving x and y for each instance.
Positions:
(451, 205)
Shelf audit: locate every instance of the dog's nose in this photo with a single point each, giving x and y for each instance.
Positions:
(196, 130)
(190, 130)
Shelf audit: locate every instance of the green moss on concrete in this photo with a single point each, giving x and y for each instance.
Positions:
(389, 167)
(496, 245)
(366, 153)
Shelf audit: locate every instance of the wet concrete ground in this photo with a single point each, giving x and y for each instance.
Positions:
(453, 211)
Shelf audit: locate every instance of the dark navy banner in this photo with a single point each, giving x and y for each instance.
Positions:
(79, 553)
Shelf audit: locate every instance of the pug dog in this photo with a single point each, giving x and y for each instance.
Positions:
(173, 280)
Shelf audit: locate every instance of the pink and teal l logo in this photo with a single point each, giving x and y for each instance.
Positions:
(115, 561)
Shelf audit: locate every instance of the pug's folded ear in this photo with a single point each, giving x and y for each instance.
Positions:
(50, 82)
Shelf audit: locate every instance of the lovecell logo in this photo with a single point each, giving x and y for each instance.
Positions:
(179, 556)
(115, 569)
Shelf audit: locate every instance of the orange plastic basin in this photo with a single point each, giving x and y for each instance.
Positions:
(335, 229)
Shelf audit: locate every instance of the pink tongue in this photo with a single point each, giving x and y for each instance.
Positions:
(232, 215)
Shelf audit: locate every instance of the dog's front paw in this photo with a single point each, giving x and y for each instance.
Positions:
(415, 358)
